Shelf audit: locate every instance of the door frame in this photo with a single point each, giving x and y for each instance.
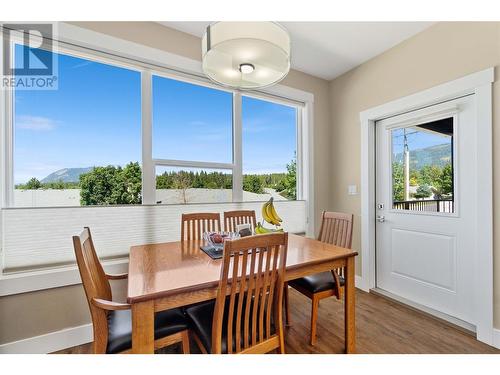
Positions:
(479, 84)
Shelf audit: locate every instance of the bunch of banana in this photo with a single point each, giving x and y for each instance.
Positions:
(269, 213)
(260, 229)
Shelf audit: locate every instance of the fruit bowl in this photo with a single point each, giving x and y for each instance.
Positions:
(216, 239)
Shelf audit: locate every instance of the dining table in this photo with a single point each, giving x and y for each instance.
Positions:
(166, 275)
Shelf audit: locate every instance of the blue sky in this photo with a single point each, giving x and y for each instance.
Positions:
(417, 139)
(94, 118)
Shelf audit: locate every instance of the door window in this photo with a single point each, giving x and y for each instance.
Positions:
(422, 167)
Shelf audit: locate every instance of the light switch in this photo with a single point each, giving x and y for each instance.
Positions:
(352, 189)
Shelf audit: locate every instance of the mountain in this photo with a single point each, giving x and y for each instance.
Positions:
(438, 155)
(66, 175)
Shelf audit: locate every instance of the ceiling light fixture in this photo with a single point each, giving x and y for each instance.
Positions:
(246, 68)
(246, 55)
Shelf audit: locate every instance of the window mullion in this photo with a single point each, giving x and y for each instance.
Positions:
(148, 167)
(299, 154)
(7, 159)
(237, 149)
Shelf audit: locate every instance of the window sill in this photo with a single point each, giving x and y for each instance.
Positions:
(31, 281)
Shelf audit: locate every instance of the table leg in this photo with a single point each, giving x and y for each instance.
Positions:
(349, 307)
(143, 320)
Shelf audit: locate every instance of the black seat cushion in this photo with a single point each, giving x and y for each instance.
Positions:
(201, 316)
(120, 327)
(318, 282)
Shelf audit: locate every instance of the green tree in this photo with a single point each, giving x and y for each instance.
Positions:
(443, 185)
(128, 185)
(97, 186)
(429, 174)
(111, 185)
(414, 177)
(33, 184)
(288, 185)
(253, 184)
(423, 191)
(182, 181)
(398, 187)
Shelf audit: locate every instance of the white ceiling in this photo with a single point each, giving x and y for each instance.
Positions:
(329, 49)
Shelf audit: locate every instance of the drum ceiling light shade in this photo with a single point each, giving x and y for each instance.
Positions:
(246, 55)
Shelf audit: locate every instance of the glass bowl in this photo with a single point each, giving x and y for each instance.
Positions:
(216, 239)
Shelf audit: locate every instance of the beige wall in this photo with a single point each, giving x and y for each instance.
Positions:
(443, 52)
(51, 310)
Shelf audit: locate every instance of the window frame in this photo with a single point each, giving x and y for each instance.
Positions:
(148, 161)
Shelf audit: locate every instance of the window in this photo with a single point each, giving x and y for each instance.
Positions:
(79, 144)
(88, 142)
(269, 149)
(191, 122)
(422, 167)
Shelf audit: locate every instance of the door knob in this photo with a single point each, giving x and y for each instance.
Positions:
(380, 218)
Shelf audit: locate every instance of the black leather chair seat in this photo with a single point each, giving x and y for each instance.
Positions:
(318, 282)
(201, 316)
(120, 327)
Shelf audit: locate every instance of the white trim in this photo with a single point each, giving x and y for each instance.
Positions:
(50, 342)
(360, 283)
(237, 148)
(148, 167)
(307, 122)
(484, 214)
(51, 278)
(479, 84)
(444, 92)
(496, 338)
(192, 164)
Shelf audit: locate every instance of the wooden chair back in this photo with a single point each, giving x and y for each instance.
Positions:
(336, 229)
(251, 283)
(234, 218)
(194, 225)
(95, 283)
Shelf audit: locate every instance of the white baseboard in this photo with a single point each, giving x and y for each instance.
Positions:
(496, 338)
(50, 342)
(360, 283)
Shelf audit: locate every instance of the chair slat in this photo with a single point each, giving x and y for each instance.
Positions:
(241, 296)
(232, 296)
(255, 304)
(234, 218)
(194, 225)
(265, 291)
(251, 283)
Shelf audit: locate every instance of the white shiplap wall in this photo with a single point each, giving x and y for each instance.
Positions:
(41, 237)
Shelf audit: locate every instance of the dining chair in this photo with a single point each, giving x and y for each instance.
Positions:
(112, 321)
(247, 314)
(336, 229)
(234, 218)
(194, 225)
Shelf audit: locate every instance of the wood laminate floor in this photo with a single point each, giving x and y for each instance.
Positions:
(382, 325)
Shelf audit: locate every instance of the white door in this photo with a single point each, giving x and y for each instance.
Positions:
(424, 194)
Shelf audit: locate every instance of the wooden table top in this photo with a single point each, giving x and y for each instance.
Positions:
(160, 270)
